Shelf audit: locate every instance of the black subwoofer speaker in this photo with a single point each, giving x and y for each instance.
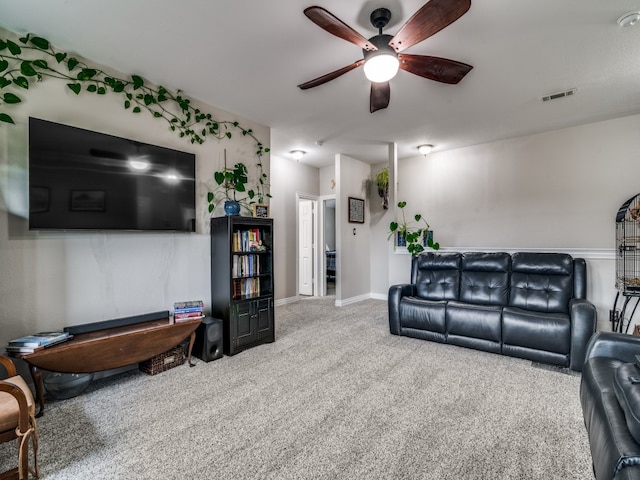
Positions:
(208, 344)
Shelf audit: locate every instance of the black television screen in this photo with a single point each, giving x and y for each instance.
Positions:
(84, 180)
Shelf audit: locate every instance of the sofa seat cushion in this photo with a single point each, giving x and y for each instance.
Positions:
(418, 313)
(626, 385)
(476, 321)
(550, 332)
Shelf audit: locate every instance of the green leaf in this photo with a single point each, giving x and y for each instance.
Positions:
(138, 82)
(3, 65)
(211, 207)
(41, 43)
(86, 74)
(3, 44)
(92, 88)
(101, 90)
(393, 226)
(157, 114)
(418, 217)
(24, 40)
(228, 134)
(4, 82)
(21, 82)
(60, 57)
(210, 197)
(74, 87)
(11, 98)
(72, 63)
(27, 69)
(136, 110)
(148, 99)
(267, 149)
(127, 104)
(251, 194)
(5, 118)
(13, 48)
(240, 187)
(402, 204)
(219, 177)
(41, 64)
(161, 97)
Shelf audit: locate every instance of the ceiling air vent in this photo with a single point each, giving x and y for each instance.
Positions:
(557, 95)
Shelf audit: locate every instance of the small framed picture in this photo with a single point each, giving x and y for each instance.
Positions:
(260, 211)
(356, 210)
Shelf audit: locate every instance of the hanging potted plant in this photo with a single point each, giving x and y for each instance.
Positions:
(413, 234)
(382, 181)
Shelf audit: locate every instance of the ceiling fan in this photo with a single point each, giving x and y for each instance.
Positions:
(382, 56)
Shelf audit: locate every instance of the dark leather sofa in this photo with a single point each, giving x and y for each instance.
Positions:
(527, 305)
(610, 398)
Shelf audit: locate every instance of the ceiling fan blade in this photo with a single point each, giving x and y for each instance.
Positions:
(430, 19)
(329, 76)
(434, 68)
(380, 95)
(327, 21)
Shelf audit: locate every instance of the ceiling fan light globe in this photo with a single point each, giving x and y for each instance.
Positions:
(381, 68)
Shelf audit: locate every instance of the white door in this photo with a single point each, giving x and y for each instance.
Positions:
(305, 247)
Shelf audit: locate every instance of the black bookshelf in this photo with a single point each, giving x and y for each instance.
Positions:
(242, 280)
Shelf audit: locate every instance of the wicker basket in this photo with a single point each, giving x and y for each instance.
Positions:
(163, 362)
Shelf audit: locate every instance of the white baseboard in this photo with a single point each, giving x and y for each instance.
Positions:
(285, 301)
(349, 301)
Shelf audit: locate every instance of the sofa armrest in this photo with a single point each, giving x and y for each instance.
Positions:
(620, 346)
(396, 292)
(583, 326)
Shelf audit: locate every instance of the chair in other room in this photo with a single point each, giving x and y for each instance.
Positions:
(18, 422)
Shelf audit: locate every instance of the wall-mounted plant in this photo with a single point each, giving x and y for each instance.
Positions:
(382, 182)
(414, 234)
(33, 59)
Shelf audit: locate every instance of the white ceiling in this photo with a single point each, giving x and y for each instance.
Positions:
(247, 56)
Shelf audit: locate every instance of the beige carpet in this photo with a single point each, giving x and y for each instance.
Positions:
(335, 397)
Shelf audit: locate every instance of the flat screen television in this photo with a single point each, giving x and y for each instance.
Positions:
(84, 180)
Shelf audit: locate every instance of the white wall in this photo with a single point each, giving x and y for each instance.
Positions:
(353, 249)
(50, 280)
(556, 191)
(288, 178)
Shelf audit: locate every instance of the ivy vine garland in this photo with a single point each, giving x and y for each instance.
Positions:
(23, 65)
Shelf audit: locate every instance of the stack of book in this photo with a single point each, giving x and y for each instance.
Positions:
(33, 343)
(188, 310)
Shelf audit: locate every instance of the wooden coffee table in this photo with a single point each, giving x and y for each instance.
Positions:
(108, 349)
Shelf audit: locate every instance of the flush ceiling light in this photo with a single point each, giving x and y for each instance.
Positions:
(425, 149)
(629, 19)
(297, 154)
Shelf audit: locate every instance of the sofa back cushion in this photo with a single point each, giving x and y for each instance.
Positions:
(485, 278)
(542, 282)
(436, 275)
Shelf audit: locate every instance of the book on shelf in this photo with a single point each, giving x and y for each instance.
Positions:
(187, 310)
(40, 339)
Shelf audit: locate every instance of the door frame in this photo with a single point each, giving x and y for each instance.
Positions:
(322, 276)
(314, 200)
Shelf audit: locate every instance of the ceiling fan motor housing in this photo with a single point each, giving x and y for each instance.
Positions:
(382, 44)
(380, 18)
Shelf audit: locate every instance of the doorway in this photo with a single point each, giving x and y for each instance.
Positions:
(316, 245)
